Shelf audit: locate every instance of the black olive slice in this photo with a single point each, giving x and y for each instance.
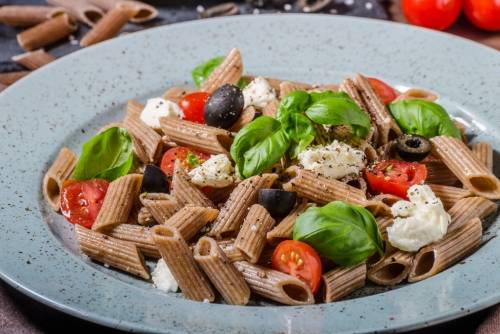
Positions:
(278, 202)
(224, 106)
(413, 147)
(154, 180)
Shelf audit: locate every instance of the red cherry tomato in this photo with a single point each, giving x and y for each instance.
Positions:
(395, 177)
(189, 159)
(386, 93)
(300, 260)
(193, 106)
(434, 14)
(81, 201)
(484, 14)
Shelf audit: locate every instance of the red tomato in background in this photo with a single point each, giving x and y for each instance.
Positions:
(386, 93)
(193, 106)
(395, 177)
(300, 260)
(189, 159)
(484, 14)
(81, 201)
(434, 14)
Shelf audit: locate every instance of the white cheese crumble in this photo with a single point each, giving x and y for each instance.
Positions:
(157, 108)
(333, 161)
(418, 222)
(216, 172)
(163, 278)
(258, 93)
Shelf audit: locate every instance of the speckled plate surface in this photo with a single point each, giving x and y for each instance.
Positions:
(68, 100)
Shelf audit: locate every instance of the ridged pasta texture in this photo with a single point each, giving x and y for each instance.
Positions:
(191, 219)
(228, 72)
(59, 171)
(392, 269)
(341, 281)
(139, 236)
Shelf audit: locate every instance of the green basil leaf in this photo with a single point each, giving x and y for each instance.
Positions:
(424, 118)
(340, 111)
(300, 130)
(318, 96)
(347, 234)
(258, 145)
(202, 71)
(108, 155)
(295, 102)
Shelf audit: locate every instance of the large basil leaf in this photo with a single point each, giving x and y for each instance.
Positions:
(108, 155)
(340, 110)
(347, 234)
(295, 102)
(317, 96)
(424, 118)
(300, 130)
(259, 145)
(203, 71)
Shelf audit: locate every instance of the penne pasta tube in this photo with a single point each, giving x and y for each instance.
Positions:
(184, 191)
(251, 238)
(120, 197)
(179, 259)
(142, 11)
(81, 10)
(284, 229)
(246, 117)
(59, 171)
(139, 236)
(464, 164)
(107, 27)
(160, 206)
(468, 208)
(438, 173)
(484, 152)
(271, 109)
(392, 269)
(221, 272)
(112, 252)
(232, 253)
(435, 258)
(190, 219)
(220, 195)
(34, 59)
(174, 94)
(415, 93)
(8, 78)
(134, 108)
(228, 72)
(145, 217)
(201, 137)
(383, 223)
(275, 285)
(47, 32)
(449, 195)
(341, 281)
(27, 16)
(235, 209)
(144, 136)
(287, 87)
(324, 88)
(388, 199)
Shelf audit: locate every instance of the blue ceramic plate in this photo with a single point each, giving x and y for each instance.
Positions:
(67, 101)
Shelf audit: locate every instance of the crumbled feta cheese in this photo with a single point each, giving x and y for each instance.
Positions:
(216, 172)
(418, 222)
(333, 161)
(258, 93)
(157, 108)
(163, 278)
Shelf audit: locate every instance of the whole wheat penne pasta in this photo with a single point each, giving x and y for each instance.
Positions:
(233, 212)
(388, 199)
(26, 16)
(221, 272)
(139, 236)
(449, 195)
(116, 253)
(324, 88)
(228, 72)
(484, 152)
(271, 108)
(275, 285)
(287, 87)
(118, 202)
(251, 238)
(439, 173)
(464, 164)
(145, 136)
(161, 206)
(220, 195)
(201, 137)
(435, 258)
(145, 217)
(143, 11)
(383, 223)
(415, 93)
(134, 108)
(34, 59)
(179, 259)
(174, 94)
(468, 208)
(134, 214)
(190, 219)
(107, 27)
(341, 281)
(2, 87)
(246, 117)
(184, 191)
(392, 269)
(59, 171)
(9, 78)
(232, 253)
(81, 10)
(284, 229)
(47, 32)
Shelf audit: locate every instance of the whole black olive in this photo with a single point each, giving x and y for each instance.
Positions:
(154, 180)
(278, 202)
(224, 106)
(413, 147)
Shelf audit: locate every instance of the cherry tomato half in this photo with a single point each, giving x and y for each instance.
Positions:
(189, 159)
(81, 201)
(386, 93)
(193, 106)
(300, 260)
(484, 14)
(395, 177)
(434, 14)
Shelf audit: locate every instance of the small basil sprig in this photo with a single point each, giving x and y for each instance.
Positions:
(424, 118)
(108, 155)
(201, 72)
(347, 234)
